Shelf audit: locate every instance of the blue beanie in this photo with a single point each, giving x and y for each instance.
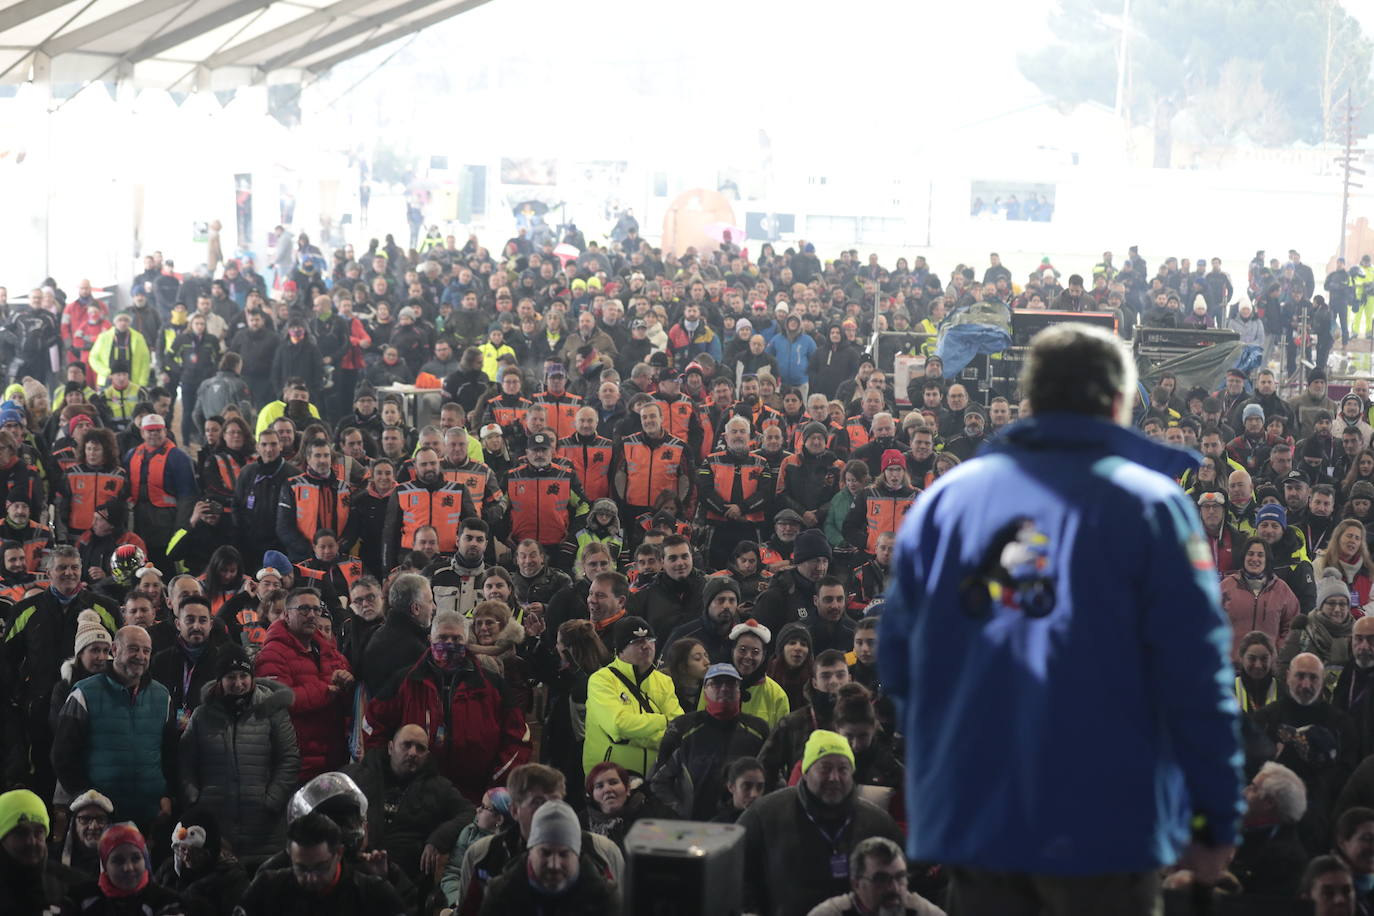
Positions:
(278, 561)
(1272, 512)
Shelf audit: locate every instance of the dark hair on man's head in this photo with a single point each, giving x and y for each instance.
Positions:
(741, 765)
(830, 658)
(313, 829)
(1077, 368)
(1320, 867)
(619, 585)
(1350, 821)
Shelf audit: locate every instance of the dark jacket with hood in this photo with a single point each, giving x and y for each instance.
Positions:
(832, 364)
(239, 761)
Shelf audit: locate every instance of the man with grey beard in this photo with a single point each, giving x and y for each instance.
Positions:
(1354, 690)
(1313, 739)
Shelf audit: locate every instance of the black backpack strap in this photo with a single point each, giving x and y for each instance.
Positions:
(644, 704)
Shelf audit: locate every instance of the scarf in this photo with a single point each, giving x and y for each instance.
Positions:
(1254, 583)
(1322, 633)
(378, 494)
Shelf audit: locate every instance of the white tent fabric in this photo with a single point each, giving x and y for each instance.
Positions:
(201, 44)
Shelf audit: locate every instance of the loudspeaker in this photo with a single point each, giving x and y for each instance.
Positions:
(684, 868)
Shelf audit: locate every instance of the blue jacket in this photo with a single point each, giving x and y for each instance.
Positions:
(1081, 741)
(793, 356)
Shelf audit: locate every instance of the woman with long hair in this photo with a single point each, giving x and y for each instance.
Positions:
(1347, 552)
(792, 664)
(578, 652)
(1256, 599)
(686, 662)
(1362, 468)
(228, 458)
(223, 577)
(94, 481)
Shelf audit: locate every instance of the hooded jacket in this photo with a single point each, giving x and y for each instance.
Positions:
(317, 713)
(239, 760)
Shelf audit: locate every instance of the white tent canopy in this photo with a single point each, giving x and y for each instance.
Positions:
(201, 44)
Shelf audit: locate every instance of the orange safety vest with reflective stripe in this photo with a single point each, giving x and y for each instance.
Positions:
(885, 513)
(539, 503)
(351, 569)
(474, 477)
(562, 412)
(251, 625)
(591, 464)
(222, 598)
(441, 508)
(36, 539)
(89, 491)
(858, 429)
(651, 469)
(677, 416)
(154, 464)
(507, 415)
(723, 482)
(318, 507)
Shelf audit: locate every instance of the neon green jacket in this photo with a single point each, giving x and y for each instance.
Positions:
(618, 729)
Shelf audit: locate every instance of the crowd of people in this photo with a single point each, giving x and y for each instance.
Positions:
(302, 652)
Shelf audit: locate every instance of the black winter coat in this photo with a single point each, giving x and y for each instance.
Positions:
(393, 650)
(512, 895)
(693, 756)
(275, 891)
(215, 891)
(258, 349)
(242, 765)
(785, 849)
(299, 359)
(668, 603)
(428, 811)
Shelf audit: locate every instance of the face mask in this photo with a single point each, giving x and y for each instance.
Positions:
(448, 655)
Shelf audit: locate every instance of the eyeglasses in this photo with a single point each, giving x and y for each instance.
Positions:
(92, 820)
(309, 610)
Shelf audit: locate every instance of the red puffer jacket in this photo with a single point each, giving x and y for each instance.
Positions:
(483, 738)
(319, 716)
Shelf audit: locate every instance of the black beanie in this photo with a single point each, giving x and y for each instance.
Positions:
(230, 658)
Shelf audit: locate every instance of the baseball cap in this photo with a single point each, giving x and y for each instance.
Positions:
(721, 669)
(491, 429)
(1294, 477)
(540, 440)
(1211, 498)
(149, 421)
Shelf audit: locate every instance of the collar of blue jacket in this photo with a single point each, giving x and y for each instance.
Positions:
(1079, 431)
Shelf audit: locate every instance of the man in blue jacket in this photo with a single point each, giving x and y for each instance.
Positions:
(792, 349)
(1054, 638)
